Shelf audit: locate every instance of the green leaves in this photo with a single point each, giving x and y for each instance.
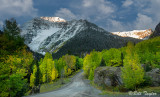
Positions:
(16, 84)
(47, 69)
(112, 57)
(33, 76)
(132, 72)
(13, 69)
(91, 62)
(11, 28)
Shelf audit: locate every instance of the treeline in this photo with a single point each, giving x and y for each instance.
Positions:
(48, 70)
(134, 61)
(20, 72)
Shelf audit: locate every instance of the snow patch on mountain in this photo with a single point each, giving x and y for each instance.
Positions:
(37, 40)
(138, 34)
(50, 34)
(45, 35)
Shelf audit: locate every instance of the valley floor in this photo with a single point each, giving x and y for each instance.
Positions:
(79, 87)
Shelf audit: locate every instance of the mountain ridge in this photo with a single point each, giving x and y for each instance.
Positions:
(138, 34)
(45, 36)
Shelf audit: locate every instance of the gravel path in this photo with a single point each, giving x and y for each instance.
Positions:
(79, 87)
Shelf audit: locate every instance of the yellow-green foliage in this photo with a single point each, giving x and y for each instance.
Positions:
(47, 69)
(15, 61)
(12, 72)
(70, 64)
(148, 52)
(87, 64)
(132, 72)
(59, 65)
(54, 74)
(33, 76)
(91, 62)
(79, 63)
(112, 57)
(70, 61)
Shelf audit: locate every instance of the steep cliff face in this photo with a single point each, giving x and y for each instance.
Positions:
(156, 32)
(138, 34)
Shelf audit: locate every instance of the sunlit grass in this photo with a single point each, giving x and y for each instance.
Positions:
(115, 91)
(47, 87)
(108, 90)
(150, 89)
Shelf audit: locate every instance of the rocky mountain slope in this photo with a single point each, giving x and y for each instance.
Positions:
(156, 32)
(42, 35)
(139, 34)
(75, 36)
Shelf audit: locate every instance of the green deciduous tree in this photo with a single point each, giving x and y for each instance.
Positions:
(12, 72)
(79, 63)
(132, 72)
(70, 61)
(33, 76)
(47, 69)
(91, 62)
(112, 57)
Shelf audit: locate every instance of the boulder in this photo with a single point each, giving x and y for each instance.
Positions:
(155, 76)
(108, 76)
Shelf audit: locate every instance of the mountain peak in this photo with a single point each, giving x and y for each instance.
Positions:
(139, 34)
(53, 19)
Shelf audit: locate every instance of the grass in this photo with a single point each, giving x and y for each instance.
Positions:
(150, 89)
(115, 91)
(108, 90)
(47, 87)
(53, 86)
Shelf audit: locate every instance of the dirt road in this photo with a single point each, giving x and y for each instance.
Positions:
(79, 87)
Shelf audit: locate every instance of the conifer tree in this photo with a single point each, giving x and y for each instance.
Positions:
(11, 27)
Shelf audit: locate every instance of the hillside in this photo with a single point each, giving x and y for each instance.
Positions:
(55, 35)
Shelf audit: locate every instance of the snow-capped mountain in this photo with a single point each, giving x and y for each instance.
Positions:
(49, 34)
(73, 37)
(139, 34)
(53, 19)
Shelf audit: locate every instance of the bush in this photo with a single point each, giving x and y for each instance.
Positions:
(147, 81)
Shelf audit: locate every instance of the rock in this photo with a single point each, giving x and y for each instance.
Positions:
(156, 32)
(35, 89)
(108, 76)
(155, 76)
(156, 70)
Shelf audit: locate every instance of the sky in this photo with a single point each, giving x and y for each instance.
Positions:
(112, 15)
